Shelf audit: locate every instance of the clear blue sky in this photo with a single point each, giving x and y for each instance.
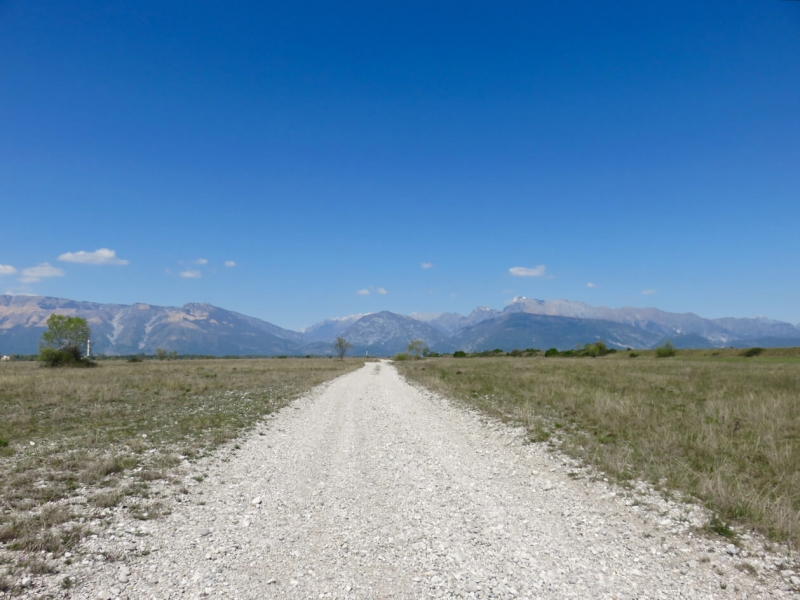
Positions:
(651, 150)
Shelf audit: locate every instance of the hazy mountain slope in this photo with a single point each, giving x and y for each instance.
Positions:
(329, 329)
(205, 329)
(386, 333)
(717, 331)
(522, 330)
(130, 329)
(447, 323)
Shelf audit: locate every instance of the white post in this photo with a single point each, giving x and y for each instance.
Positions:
(88, 348)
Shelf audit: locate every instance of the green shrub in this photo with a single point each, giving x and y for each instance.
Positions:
(459, 354)
(552, 352)
(401, 356)
(596, 349)
(751, 352)
(515, 352)
(591, 350)
(633, 354)
(666, 350)
(70, 356)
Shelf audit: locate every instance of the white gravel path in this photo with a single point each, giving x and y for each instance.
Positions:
(368, 487)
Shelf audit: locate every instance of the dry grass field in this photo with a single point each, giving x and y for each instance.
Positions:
(76, 442)
(714, 424)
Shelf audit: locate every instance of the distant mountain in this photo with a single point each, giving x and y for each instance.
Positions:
(385, 333)
(329, 329)
(452, 323)
(522, 330)
(131, 329)
(447, 323)
(719, 332)
(687, 341)
(525, 323)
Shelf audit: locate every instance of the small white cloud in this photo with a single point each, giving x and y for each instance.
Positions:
(230, 264)
(39, 272)
(363, 292)
(537, 271)
(101, 256)
(7, 270)
(190, 274)
(200, 261)
(23, 291)
(591, 285)
(382, 291)
(648, 292)
(427, 265)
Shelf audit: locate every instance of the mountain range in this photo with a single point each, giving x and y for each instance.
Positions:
(198, 328)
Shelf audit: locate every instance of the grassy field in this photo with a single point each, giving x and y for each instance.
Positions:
(714, 424)
(76, 442)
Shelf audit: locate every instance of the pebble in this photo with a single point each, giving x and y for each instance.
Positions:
(372, 488)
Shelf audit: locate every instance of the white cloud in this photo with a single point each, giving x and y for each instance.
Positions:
(200, 261)
(591, 285)
(382, 291)
(101, 256)
(363, 292)
(190, 274)
(537, 271)
(39, 272)
(427, 265)
(230, 263)
(648, 292)
(7, 270)
(23, 291)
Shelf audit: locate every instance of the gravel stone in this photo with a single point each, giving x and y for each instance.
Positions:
(369, 487)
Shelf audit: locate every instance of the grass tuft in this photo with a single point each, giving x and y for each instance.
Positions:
(722, 428)
(81, 432)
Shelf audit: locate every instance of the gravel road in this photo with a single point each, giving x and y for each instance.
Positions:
(369, 487)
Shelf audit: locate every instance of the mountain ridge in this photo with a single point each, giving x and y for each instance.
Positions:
(201, 328)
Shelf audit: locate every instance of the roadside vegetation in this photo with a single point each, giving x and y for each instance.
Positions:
(75, 443)
(721, 425)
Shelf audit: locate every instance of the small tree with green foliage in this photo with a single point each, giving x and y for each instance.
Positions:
(596, 349)
(417, 348)
(666, 350)
(161, 354)
(340, 347)
(64, 341)
(459, 354)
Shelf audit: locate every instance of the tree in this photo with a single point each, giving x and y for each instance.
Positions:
(161, 354)
(417, 348)
(340, 347)
(64, 341)
(666, 350)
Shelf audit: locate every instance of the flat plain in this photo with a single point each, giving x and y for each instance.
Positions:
(713, 425)
(76, 443)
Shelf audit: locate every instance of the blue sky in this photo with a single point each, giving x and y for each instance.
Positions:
(620, 153)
